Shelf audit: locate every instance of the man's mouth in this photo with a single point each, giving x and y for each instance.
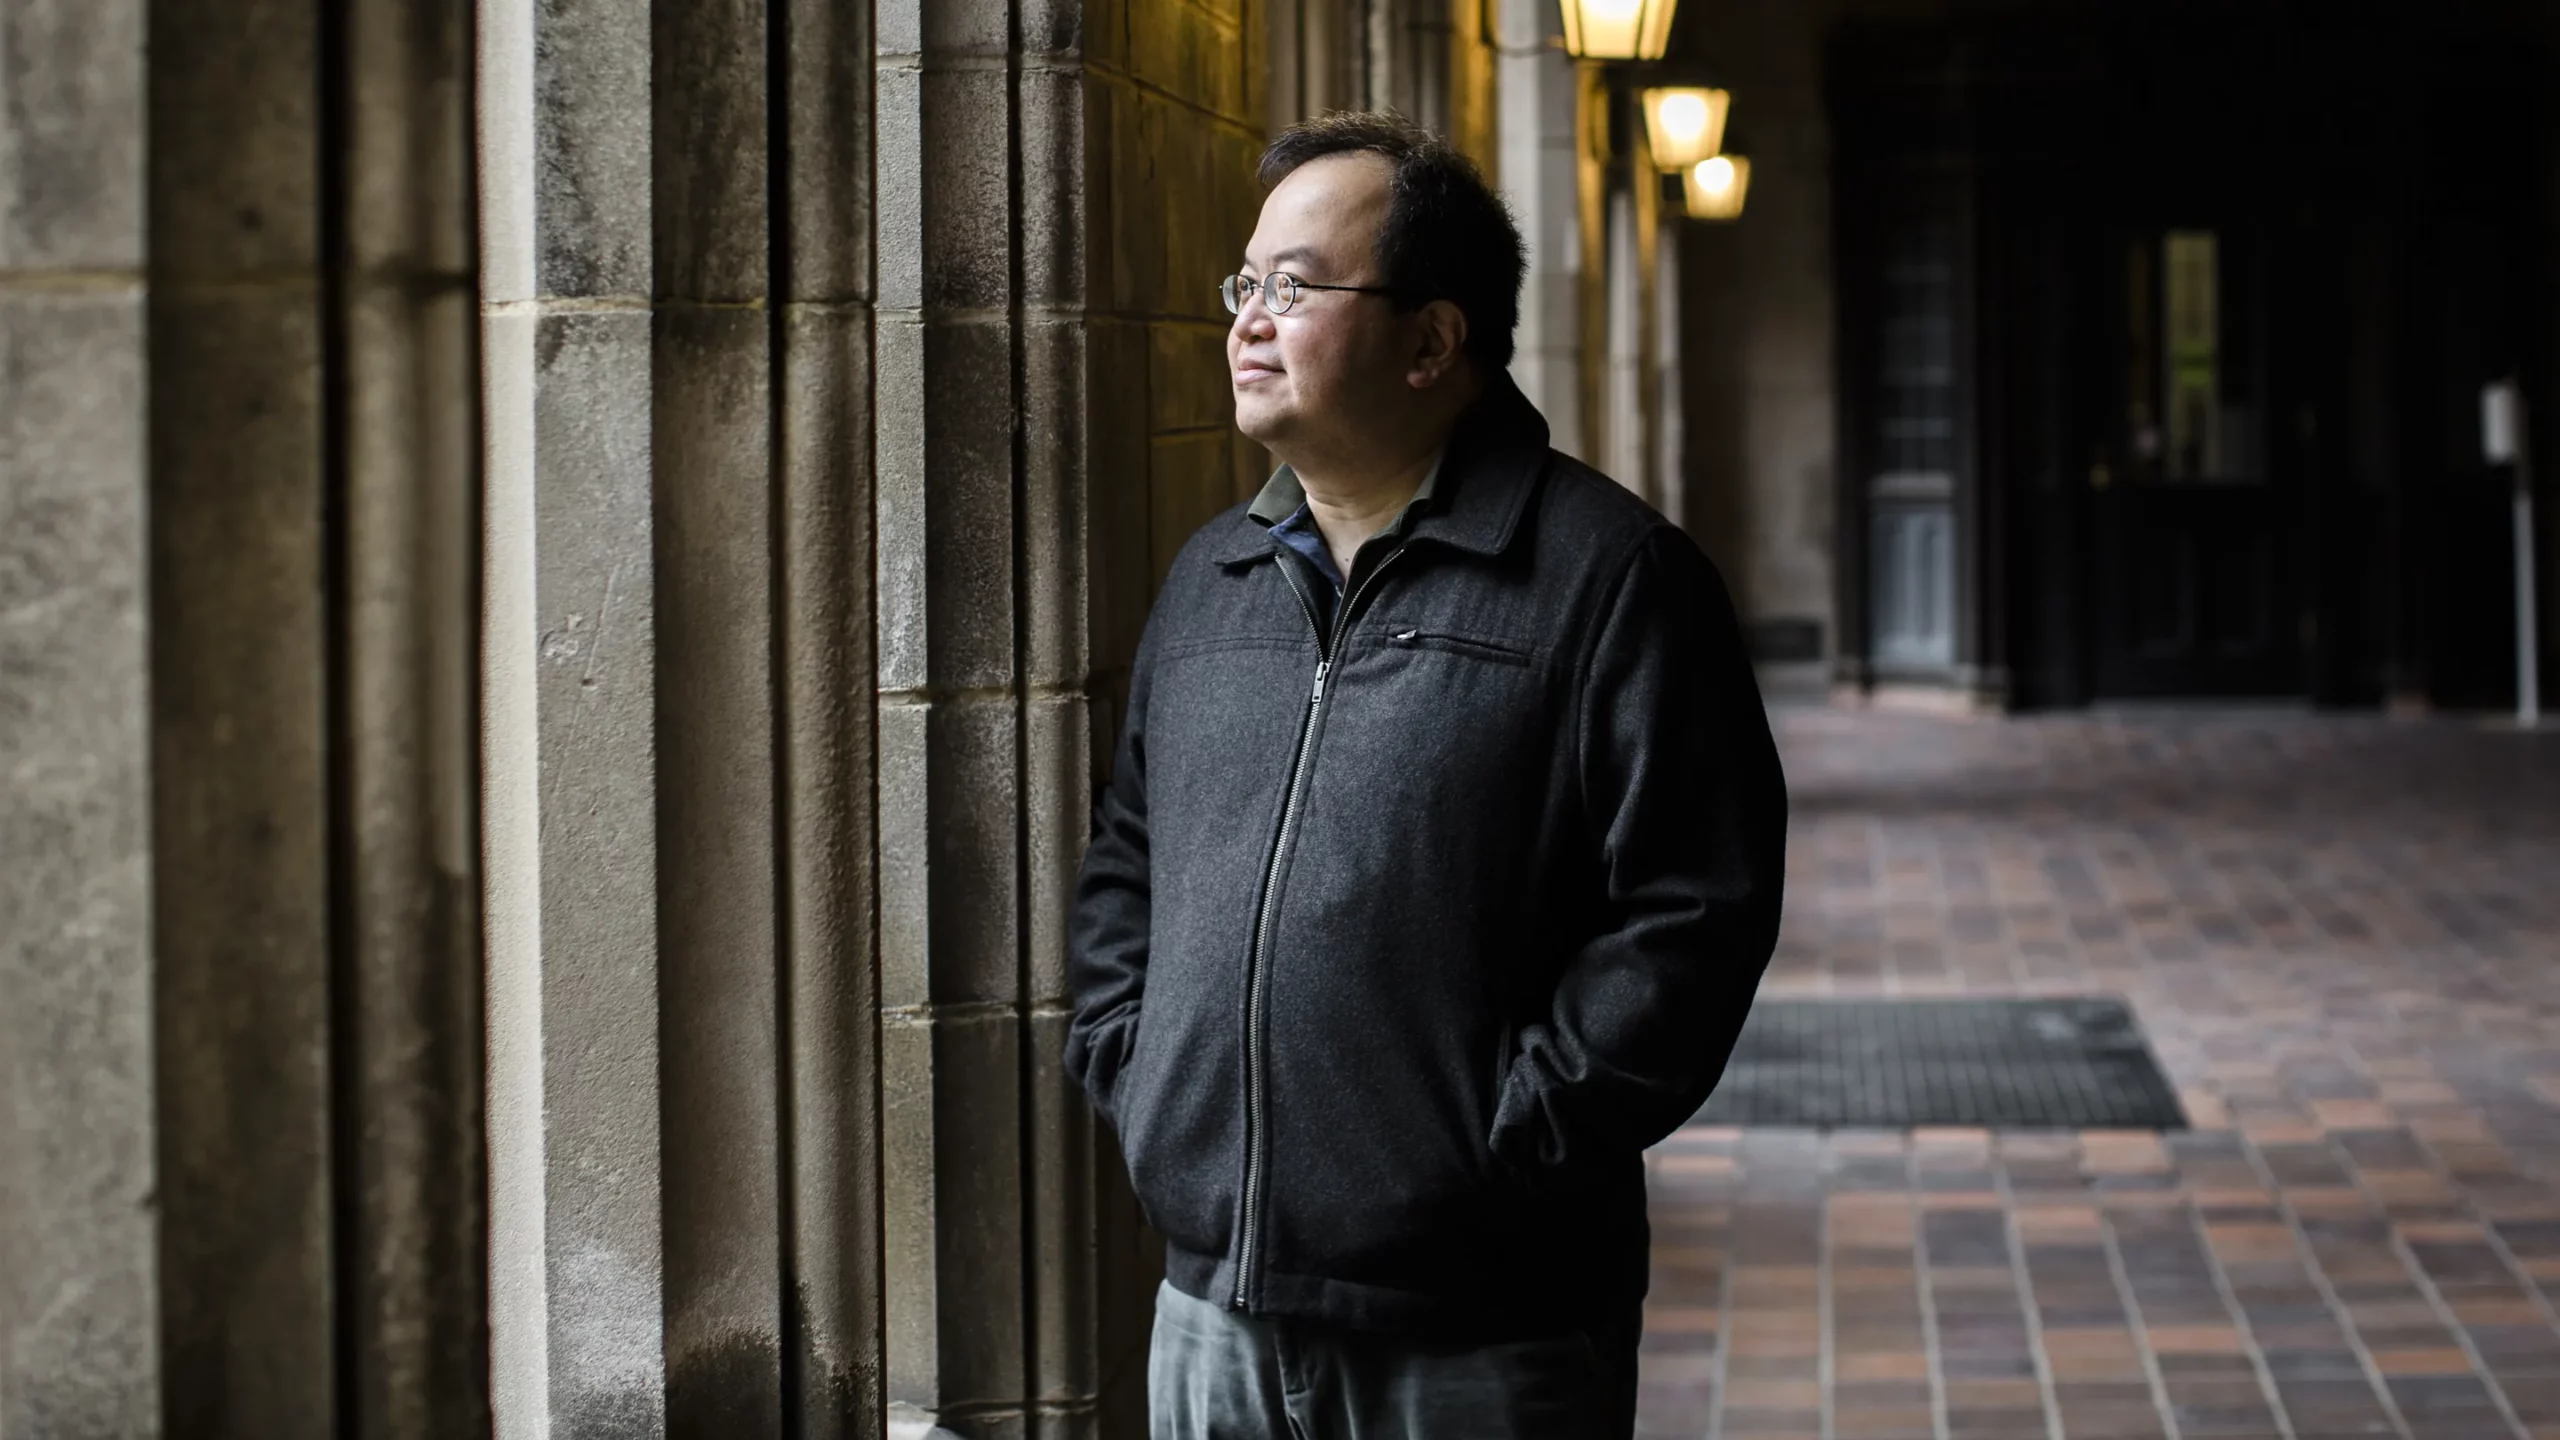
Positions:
(1250, 371)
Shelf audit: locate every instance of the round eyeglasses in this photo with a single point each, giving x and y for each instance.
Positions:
(1279, 291)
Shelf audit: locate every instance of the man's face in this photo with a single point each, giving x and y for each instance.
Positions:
(1332, 366)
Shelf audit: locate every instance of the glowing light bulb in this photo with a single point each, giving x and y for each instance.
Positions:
(1715, 176)
(1684, 117)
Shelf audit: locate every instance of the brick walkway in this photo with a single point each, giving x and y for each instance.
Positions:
(2343, 937)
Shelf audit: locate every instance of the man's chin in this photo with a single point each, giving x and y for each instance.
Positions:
(1260, 420)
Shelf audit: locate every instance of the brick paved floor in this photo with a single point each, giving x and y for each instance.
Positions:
(2343, 937)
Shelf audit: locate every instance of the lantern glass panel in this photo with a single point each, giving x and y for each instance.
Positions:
(1685, 125)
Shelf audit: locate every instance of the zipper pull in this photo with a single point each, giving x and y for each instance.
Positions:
(1322, 666)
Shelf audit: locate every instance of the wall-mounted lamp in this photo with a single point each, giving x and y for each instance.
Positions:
(1715, 187)
(1684, 125)
(1617, 29)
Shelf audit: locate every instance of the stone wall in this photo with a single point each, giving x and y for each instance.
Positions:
(731, 613)
(1756, 337)
(240, 908)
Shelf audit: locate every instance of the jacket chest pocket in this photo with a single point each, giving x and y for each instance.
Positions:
(1424, 639)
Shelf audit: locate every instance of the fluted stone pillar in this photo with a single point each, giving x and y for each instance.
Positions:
(78, 1319)
(1540, 175)
(235, 597)
(683, 1022)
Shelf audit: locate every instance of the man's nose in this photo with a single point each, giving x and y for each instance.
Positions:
(1253, 318)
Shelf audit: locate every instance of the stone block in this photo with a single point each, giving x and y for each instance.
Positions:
(590, 133)
(1058, 798)
(71, 170)
(945, 218)
(510, 764)
(594, 622)
(1056, 170)
(898, 217)
(718, 890)
(1188, 386)
(1055, 485)
(1253, 467)
(966, 156)
(972, 850)
(1056, 29)
(948, 852)
(1118, 570)
(708, 151)
(417, 1303)
(241, 847)
(1184, 202)
(1137, 235)
(951, 1092)
(829, 835)
(905, 819)
(969, 528)
(1187, 480)
(944, 28)
(234, 138)
(1186, 52)
(828, 187)
(1059, 1136)
(1103, 34)
(76, 1133)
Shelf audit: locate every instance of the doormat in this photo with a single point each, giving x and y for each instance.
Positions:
(2068, 1064)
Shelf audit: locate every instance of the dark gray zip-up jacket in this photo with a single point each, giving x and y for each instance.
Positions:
(1400, 939)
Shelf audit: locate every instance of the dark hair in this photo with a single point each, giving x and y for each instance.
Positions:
(1447, 235)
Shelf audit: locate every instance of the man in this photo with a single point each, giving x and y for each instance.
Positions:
(1439, 863)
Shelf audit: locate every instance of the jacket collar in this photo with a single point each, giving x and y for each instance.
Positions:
(1496, 452)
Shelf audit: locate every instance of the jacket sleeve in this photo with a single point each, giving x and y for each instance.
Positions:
(1108, 927)
(1687, 814)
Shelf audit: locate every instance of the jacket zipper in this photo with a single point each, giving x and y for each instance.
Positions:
(1255, 1136)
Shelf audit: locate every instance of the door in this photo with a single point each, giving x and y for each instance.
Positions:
(1914, 450)
(2192, 533)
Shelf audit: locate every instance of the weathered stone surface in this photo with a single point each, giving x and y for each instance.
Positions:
(1056, 159)
(1055, 485)
(587, 123)
(707, 149)
(1188, 483)
(949, 841)
(418, 1301)
(71, 182)
(235, 139)
(571, 797)
(827, 91)
(946, 500)
(717, 885)
(951, 1094)
(76, 1283)
(829, 837)
(241, 839)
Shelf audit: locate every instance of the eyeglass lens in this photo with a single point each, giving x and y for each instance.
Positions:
(1279, 292)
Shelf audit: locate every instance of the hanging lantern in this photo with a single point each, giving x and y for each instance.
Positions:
(1617, 29)
(1684, 125)
(1715, 187)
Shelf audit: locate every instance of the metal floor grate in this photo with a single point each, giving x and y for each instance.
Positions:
(2065, 1064)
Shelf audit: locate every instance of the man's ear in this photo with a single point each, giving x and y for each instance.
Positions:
(1440, 342)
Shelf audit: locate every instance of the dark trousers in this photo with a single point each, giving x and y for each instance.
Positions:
(1214, 1374)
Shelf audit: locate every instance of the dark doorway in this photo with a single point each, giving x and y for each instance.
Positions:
(2215, 288)
(2192, 529)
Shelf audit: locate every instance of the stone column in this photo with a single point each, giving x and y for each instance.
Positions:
(683, 1017)
(247, 1086)
(1670, 462)
(1538, 97)
(78, 1319)
(570, 753)
(1626, 451)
